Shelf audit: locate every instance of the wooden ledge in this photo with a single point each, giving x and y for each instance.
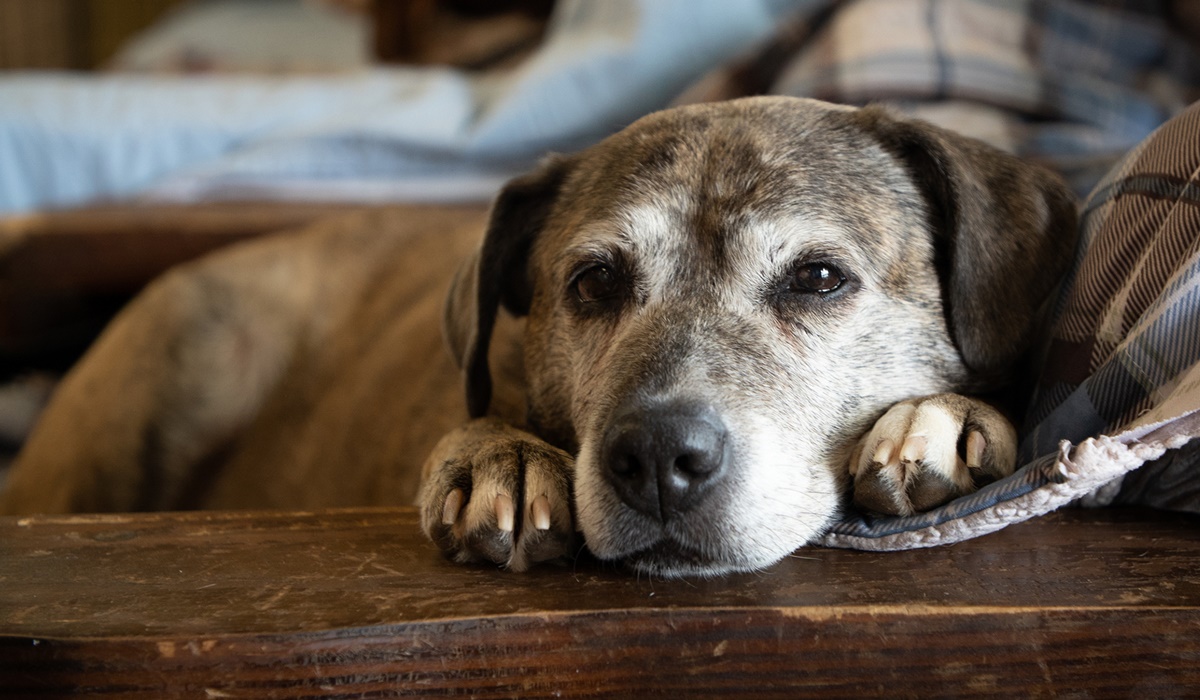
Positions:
(355, 602)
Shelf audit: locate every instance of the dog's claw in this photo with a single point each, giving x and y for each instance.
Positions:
(976, 444)
(913, 450)
(452, 507)
(539, 511)
(505, 513)
(883, 453)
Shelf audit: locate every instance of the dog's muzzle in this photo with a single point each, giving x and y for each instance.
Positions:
(662, 460)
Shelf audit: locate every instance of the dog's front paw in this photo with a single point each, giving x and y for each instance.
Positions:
(926, 452)
(494, 493)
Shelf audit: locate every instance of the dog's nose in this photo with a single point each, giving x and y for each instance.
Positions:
(662, 460)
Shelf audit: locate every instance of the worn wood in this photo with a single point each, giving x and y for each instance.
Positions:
(355, 602)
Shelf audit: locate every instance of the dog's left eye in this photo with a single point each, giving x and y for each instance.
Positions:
(816, 278)
(597, 283)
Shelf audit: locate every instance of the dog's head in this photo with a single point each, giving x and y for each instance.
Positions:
(721, 299)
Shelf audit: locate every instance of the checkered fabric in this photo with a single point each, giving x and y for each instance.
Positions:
(1120, 388)
(1074, 84)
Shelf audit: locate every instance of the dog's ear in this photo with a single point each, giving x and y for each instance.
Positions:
(1004, 234)
(497, 273)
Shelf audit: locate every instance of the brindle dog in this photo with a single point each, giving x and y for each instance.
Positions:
(691, 343)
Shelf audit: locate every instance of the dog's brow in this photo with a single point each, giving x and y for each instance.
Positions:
(650, 223)
(599, 241)
(597, 249)
(781, 240)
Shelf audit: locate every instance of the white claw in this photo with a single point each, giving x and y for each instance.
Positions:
(976, 444)
(913, 449)
(854, 459)
(505, 513)
(452, 506)
(540, 512)
(884, 452)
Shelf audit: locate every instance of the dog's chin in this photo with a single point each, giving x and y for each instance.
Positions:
(656, 550)
(670, 560)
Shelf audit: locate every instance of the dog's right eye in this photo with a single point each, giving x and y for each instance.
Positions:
(816, 278)
(597, 283)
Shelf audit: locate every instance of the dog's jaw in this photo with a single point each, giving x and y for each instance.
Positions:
(752, 522)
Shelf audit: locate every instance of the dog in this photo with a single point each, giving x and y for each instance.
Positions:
(688, 346)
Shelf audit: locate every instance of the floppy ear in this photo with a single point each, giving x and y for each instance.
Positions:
(497, 274)
(1004, 234)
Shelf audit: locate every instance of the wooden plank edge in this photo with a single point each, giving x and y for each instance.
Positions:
(767, 652)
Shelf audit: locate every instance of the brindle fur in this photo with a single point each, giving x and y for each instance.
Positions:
(300, 372)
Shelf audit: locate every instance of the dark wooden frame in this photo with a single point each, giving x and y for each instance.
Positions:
(355, 603)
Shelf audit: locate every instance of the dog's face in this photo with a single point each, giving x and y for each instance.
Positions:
(722, 298)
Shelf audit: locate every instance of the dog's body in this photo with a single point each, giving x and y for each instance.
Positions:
(296, 371)
(706, 313)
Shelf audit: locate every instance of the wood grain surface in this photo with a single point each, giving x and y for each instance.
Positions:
(355, 603)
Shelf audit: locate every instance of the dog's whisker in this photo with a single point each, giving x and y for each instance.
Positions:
(798, 556)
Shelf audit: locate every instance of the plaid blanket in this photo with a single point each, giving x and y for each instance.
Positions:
(1074, 84)
(1120, 388)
